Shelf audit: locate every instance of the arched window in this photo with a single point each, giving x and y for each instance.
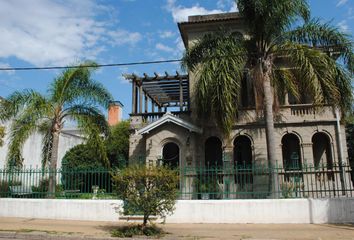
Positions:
(243, 152)
(322, 151)
(170, 154)
(291, 152)
(213, 152)
(243, 163)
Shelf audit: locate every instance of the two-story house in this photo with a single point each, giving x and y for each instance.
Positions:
(167, 126)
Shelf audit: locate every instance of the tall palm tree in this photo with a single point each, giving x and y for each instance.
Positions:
(73, 96)
(284, 51)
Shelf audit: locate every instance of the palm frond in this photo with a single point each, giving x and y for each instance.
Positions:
(267, 19)
(325, 37)
(218, 61)
(20, 130)
(317, 74)
(70, 78)
(17, 101)
(45, 128)
(93, 124)
(89, 93)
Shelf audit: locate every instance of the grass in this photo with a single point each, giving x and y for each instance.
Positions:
(137, 230)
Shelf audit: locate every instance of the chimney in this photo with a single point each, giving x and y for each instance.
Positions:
(114, 112)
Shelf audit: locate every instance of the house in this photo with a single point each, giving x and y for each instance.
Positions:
(166, 127)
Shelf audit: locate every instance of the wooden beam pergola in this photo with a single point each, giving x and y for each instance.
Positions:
(162, 90)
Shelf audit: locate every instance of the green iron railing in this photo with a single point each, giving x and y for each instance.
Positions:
(75, 183)
(196, 182)
(255, 182)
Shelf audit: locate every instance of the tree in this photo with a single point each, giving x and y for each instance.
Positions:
(73, 96)
(150, 190)
(2, 135)
(117, 144)
(284, 51)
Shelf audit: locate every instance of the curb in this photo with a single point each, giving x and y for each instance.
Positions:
(47, 236)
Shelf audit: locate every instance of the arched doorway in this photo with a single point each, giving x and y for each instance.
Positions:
(322, 151)
(291, 152)
(243, 152)
(213, 152)
(322, 154)
(170, 155)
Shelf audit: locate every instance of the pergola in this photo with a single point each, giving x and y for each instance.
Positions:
(162, 91)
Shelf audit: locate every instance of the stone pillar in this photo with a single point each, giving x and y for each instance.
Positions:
(307, 154)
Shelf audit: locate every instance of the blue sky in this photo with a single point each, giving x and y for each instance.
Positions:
(62, 32)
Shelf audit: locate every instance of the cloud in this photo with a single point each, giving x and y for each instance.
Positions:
(121, 36)
(166, 34)
(180, 13)
(6, 65)
(343, 25)
(341, 3)
(164, 48)
(57, 32)
(227, 5)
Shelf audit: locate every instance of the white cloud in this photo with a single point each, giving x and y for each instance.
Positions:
(229, 5)
(180, 13)
(56, 32)
(343, 25)
(6, 65)
(120, 37)
(233, 7)
(164, 48)
(341, 2)
(166, 34)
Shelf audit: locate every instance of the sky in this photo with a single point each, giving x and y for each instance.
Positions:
(41, 33)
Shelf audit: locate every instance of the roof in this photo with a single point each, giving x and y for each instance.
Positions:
(116, 103)
(169, 118)
(210, 22)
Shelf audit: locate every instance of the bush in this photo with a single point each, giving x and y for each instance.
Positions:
(78, 166)
(147, 190)
(4, 189)
(42, 189)
(117, 144)
(134, 230)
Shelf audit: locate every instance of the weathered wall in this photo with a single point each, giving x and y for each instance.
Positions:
(318, 211)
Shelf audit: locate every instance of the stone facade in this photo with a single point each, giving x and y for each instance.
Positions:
(299, 128)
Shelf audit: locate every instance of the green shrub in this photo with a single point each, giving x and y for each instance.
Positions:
(136, 230)
(147, 190)
(4, 189)
(41, 189)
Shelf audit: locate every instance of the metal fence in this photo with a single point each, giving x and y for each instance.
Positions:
(75, 183)
(255, 182)
(227, 182)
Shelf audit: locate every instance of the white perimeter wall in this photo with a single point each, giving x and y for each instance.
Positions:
(32, 148)
(192, 211)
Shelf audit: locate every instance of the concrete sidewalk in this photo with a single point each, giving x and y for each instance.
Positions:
(21, 228)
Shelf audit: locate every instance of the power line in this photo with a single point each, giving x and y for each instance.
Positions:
(89, 66)
(119, 64)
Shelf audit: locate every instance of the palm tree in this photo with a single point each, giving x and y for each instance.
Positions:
(73, 96)
(283, 51)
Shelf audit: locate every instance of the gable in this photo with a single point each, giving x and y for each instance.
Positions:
(169, 118)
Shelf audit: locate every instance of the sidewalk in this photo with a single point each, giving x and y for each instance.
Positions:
(20, 228)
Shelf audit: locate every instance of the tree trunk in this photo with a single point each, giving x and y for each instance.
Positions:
(270, 137)
(53, 165)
